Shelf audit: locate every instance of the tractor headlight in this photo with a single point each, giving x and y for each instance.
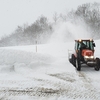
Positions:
(89, 57)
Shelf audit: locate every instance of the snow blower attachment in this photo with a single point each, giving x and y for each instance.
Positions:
(84, 54)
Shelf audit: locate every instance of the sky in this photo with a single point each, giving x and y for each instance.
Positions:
(15, 13)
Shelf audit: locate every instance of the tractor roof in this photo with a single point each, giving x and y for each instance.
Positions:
(80, 40)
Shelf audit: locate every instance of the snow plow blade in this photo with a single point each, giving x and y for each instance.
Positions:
(70, 52)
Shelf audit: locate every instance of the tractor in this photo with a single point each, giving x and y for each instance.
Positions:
(84, 54)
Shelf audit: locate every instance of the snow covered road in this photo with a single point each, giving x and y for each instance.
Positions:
(45, 75)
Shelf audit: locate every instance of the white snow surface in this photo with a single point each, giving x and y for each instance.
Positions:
(46, 74)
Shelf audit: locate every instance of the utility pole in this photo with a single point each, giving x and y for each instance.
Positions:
(36, 45)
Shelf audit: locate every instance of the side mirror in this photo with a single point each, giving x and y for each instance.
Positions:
(94, 45)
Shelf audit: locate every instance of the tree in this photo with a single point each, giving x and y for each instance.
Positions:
(91, 15)
(55, 17)
(19, 29)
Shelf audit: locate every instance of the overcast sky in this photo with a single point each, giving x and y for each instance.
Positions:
(18, 12)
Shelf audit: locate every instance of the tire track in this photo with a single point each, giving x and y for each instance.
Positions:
(81, 88)
(70, 87)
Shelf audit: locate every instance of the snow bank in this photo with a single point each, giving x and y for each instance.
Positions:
(8, 56)
(22, 62)
(48, 59)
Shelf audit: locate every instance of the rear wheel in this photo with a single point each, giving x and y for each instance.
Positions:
(97, 67)
(78, 64)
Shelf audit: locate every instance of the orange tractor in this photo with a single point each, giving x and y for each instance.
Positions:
(84, 54)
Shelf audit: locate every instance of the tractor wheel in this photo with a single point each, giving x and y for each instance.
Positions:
(73, 60)
(97, 67)
(78, 64)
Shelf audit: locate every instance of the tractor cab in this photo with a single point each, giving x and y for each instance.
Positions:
(84, 44)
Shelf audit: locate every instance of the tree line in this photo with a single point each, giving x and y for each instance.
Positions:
(38, 32)
(41, 30)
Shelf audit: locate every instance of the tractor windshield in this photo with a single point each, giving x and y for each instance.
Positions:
(88, 44)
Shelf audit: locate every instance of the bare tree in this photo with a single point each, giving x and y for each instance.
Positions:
(55, 17)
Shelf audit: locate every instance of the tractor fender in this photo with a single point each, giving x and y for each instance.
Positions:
(98, 61)
(97, 67)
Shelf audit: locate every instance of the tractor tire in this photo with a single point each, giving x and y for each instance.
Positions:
(78, 64)
(73, 60)
(97, 67)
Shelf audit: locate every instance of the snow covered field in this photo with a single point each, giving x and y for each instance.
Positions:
(46, 74)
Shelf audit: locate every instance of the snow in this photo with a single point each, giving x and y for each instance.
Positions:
(46, 74)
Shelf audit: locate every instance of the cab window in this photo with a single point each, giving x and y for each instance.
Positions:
(91, 45)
